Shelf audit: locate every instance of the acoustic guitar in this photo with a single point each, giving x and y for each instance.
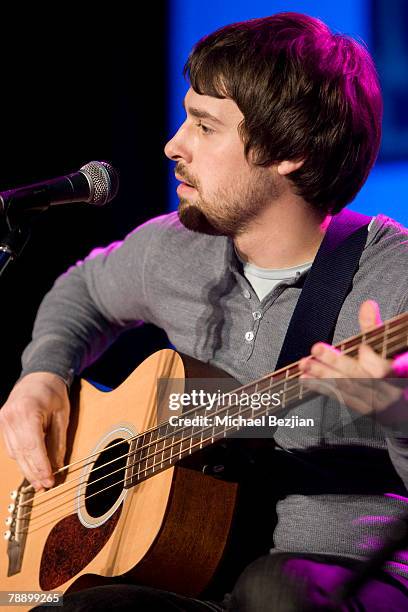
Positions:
(125, 507)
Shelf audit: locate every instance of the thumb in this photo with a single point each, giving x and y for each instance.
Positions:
(369, 315)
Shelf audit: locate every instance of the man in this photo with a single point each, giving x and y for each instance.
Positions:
(282, 127)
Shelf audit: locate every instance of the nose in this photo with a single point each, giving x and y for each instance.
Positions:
(177, 148)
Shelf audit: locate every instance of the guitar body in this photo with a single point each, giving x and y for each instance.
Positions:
(169, 531)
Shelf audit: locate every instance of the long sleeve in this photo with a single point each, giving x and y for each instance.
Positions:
(398, 451)
(90, 305)
(397, 436)
(397, 441)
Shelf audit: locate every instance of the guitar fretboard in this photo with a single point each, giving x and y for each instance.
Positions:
(161, 447)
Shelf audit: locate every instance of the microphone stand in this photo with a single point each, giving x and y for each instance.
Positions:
(17, 219)
(12, 245)
(13, 242)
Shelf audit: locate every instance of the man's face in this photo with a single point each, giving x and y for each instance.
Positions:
(220, 191)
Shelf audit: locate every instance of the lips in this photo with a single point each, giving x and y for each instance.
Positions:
(182, 180)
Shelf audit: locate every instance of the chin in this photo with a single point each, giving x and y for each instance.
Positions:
(195, 220)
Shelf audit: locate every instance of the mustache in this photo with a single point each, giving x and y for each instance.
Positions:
(184, 175)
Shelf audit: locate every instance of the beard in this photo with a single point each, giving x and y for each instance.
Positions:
(192, 217)
(230, 210)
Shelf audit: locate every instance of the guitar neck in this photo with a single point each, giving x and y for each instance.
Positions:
(161, 447)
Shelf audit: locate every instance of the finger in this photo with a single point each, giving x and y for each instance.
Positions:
(40, 468)
(369, 315)
(25, 468)
(30, 452)
(304, 364)
(27, 472)
(331, 363)
(12, 446)
(374, 365)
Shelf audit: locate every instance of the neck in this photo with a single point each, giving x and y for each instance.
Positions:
(284, 235)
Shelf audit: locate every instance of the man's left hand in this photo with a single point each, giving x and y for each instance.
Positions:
(354, 376)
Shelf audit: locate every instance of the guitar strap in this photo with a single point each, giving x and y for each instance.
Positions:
(326, 286)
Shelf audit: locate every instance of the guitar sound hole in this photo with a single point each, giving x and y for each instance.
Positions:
(106, 479)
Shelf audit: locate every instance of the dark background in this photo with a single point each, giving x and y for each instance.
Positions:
(76, 88)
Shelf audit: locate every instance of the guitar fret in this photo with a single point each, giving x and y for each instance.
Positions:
(300, 392)
(201, 440)
(181, 444)
(154, 455)
(132, 462)
(254, 391)
(146, 453)
(283, 402)
(137, 456)
(384, 342)
(191, 442)
(171, 449)
(166, 457)
(164, 445)
(269, 389)
(227, 414)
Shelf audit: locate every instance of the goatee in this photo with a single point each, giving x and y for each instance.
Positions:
(194, 219)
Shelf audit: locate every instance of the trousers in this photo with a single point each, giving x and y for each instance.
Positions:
(280, 582)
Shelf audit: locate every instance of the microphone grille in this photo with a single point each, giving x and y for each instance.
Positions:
(103, 181)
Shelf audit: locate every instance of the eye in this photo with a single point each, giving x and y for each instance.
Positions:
(204, 129)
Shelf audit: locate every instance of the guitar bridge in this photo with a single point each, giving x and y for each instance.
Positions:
(18, 521)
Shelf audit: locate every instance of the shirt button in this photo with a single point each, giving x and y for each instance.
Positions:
(249, 336)
(246, 294)
(257, 315)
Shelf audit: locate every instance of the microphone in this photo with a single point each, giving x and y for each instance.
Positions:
(95, 183)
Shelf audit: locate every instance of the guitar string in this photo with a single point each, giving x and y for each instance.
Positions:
(145, 472)
(254, 383)
(150, 444)
(30, 530)
(137, 462)
(159, 441)
(375, 332)
(148, 457)
(155, 442)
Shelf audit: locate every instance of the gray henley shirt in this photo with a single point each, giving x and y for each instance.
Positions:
(192, 286)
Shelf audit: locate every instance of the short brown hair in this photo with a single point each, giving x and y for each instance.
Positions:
(305, 93)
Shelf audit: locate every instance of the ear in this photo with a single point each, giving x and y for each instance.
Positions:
(287, 166)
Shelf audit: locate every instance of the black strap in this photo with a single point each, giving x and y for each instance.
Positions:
(326, 286)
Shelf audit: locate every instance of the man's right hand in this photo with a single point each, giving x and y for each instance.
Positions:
(34, 422)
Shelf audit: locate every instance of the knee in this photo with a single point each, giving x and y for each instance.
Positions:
(263, 586)
(101, 598)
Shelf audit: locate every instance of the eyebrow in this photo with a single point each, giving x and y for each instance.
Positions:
(201, 114)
